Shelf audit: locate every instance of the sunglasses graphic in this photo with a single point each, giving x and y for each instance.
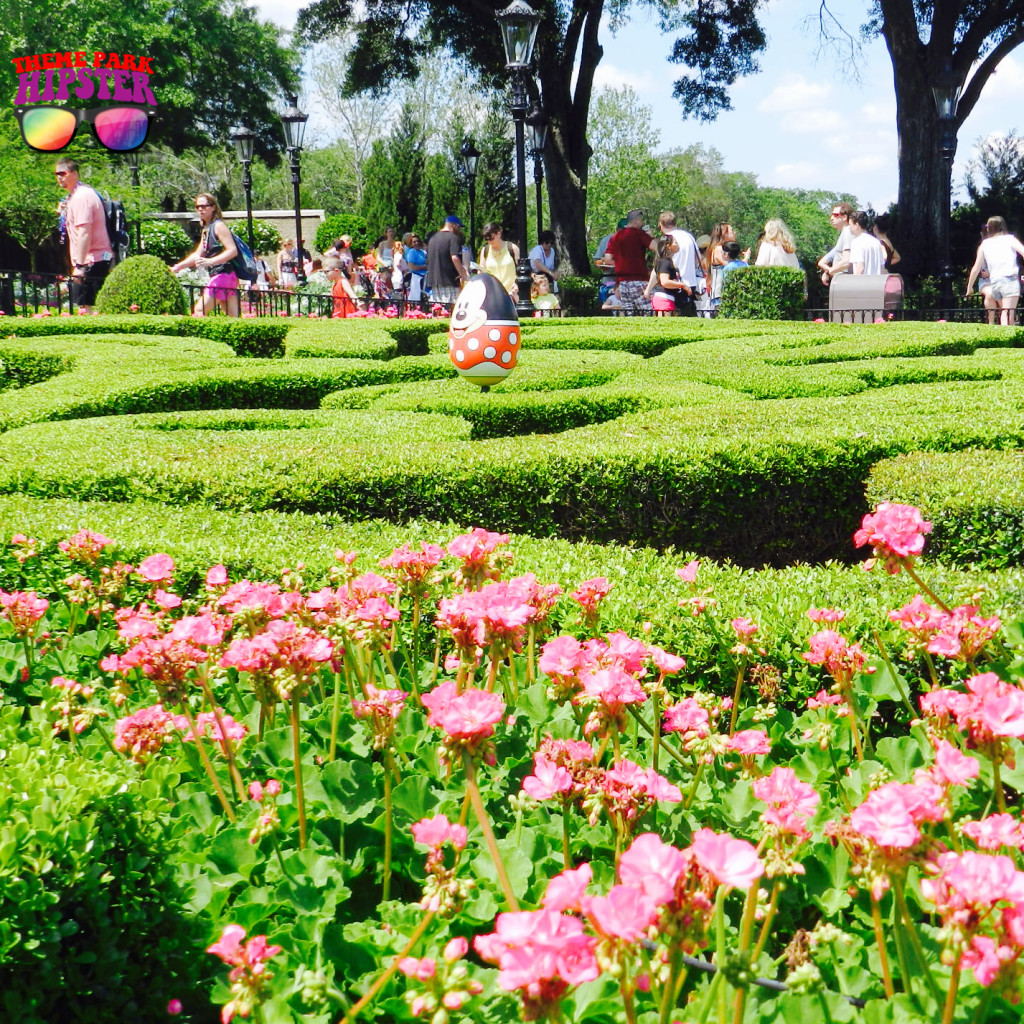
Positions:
(50, 129)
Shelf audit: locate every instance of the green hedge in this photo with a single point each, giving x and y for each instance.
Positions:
(974, 499)
(87, 904)
(763, 293)
(142, 282)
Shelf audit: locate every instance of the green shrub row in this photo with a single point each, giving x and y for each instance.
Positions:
(683, 477)
(20, 368)
(765, 293)
(645, 589)
(974, 500)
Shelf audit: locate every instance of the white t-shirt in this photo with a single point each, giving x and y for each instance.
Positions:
(835, 255)
(772, 255)
(866, 249)
(1000, 256)
(685, 258)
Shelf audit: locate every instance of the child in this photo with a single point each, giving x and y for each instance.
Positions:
(541, 295)
(732, 251)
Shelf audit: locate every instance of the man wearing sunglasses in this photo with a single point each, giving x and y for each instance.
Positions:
(84, 223)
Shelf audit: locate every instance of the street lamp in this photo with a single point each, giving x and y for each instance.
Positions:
(519, 22)
(133, 166)
(469, 158)
(537, 124)
(245, 143)
(946, 91)
(294, 128)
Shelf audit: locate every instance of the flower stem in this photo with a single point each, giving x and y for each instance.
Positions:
(485, 826)
(693, 789)
(566, 857)
(225, 741)
(769, 914)
(912, 573)
(903, 910)
(950, 1008)
(371, 993)
(661, 743)
(746, 935)
(201, 748)
(876, 917)
(335, 712)
(387, 827)
(740, 672)
(297, 759)
(997, 784)
(656, 733)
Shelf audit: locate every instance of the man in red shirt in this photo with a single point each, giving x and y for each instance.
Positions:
(629, 247)
(84, 223)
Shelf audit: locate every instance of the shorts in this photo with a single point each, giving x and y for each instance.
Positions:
(288, 279)
(1004, 287)
(632, 295)
(663, 302)
(84, 289)
(221, 286)
(446, 295)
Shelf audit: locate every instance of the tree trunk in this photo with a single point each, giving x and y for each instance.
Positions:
(923, 188)
(566, 176)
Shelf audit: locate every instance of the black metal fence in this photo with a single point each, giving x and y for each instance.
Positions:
(25, 294)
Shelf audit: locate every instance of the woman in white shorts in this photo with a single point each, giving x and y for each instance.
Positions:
(998, 252)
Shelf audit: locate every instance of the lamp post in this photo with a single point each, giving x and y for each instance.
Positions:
(245, 142)
(294, 128)
(946, 92)
(537, 124)
(469, 158)
(519, 23)
(133, 166)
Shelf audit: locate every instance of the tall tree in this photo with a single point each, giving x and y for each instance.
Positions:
(925, 38)
(719, 41)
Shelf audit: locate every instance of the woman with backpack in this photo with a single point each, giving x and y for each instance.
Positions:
(217, 254)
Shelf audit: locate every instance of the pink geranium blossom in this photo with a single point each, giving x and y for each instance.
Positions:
(896, 532)
(566, 890)
(435, 832)
(625, 913)
(156, 568)
(652, 866)
(790, 802)
(548, 780)
(732, 862)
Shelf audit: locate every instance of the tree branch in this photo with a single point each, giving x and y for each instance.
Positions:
(983, 72)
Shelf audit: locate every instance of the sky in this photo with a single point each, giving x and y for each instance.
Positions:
(803, 121)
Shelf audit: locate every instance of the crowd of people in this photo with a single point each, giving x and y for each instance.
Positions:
(684, 276)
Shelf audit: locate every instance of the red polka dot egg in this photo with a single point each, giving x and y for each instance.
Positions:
(483, 335)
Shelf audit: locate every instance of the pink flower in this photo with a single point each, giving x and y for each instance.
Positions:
(895, 532)
(216, 576)
(435, 832)
(652, 866)
(456, 949)
(995, 831)
(750, 742)
(886, 821)
(85, 546)
(952, 768)
(688, 574)
(548, 780)
(731, 862)
(420, 970)
(823, 699)
(561, 658)
(688, 717)
(566, 890)
(174, 1007)
(590, 593)
(842, 660)
(744, 628)
(467, 717)
(825, 614)
(790, 801)
(625, 913)
(229, 946)
(667, 664)
(987, 959)
(144, 732)
(156, 568)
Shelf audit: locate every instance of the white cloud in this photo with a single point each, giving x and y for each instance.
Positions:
(607, 75)
(1006, 85)
(879, 113)
(794, 92)
(801, 173)
(864, 163)
(812, 121)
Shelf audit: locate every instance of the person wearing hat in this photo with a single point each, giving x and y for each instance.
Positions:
(445, 269)
(628, 248)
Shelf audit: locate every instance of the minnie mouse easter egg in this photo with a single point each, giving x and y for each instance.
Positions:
(483, 335)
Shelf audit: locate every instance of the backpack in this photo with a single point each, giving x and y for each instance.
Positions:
(117, 225)
(244, 264)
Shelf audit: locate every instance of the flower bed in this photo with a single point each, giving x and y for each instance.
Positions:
(399, 795)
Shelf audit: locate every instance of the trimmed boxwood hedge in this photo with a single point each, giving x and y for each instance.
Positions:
(765, 293)
(974, 500)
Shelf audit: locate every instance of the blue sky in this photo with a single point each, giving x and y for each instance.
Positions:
(803, 121)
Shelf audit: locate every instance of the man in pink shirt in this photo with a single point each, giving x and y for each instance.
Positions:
(84, 224)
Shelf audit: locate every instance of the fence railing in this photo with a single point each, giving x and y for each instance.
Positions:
(24, 293)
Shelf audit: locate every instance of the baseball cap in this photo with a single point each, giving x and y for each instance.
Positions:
(703, 241)
(635, 215)
(452, 219)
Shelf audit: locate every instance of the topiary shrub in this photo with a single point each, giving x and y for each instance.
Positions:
(143, 282)
(763, 293)
(339, 224)
(165, 240)
(579, 294)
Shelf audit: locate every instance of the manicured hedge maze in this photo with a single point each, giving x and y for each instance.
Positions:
(747, 441)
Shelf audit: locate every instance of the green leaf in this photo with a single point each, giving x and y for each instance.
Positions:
(351, 789)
